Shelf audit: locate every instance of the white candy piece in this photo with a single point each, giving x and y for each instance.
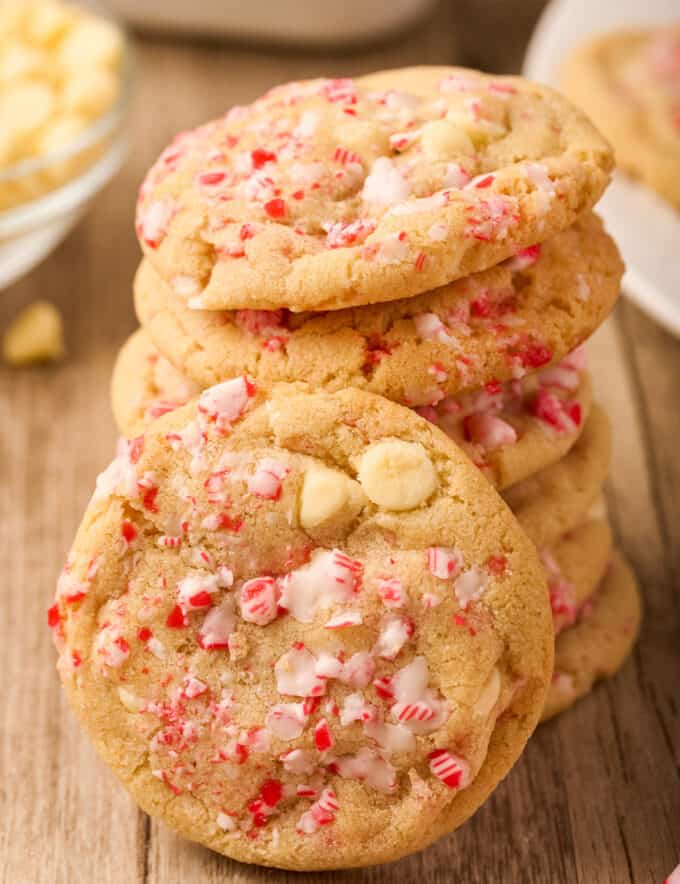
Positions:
(227, 401)
(368, 767)
(218, 625)
(397, 475)
(296, 674)
(330, 578)
(287, 721)
(298, 761)
(390, 737)
(385, 185)
(469, 587)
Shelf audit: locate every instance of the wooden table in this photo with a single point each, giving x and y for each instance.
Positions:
(595, 797)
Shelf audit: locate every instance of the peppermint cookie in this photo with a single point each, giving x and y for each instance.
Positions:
(551, 502)
(496, 325)
(598, 644)
(575, 565)
(508, 430)
(629, 82)
(511, 431)
(331, 193)
(297, 628)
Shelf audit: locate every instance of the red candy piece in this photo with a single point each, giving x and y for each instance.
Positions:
(259, 157)
(128, 531)
(323, 739)
(496, 565)
(535, 355)
(271, 792)
(53, 616)
(559, 414)
(175, 619)
(275, 208)
(448, 768)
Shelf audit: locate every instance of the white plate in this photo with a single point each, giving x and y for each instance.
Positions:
(646, 228)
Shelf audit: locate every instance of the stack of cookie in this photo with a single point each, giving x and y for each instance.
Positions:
(423, 236)
(322, 250)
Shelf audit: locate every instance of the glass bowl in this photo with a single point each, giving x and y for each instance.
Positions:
(47, 195)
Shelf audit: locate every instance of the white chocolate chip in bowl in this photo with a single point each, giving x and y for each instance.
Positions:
(397, 475)
(26, 107)
(93, 94)
(66, 81)
(90, 42)
(328, 496)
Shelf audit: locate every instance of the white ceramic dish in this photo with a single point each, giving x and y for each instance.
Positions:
(646, 228)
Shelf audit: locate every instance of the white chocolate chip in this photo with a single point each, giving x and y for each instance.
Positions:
(488, 696)
(59, 134)
(91, 42)
(443, 139)
(36, 335)
(48, 21)
(131, 702)
(26, 106)
(397, 475)
(91, 94)
(19, 61)
(325, 494)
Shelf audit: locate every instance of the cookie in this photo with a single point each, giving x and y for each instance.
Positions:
(553, 501)
(508, 430)
(333, 193)
(145, 385)
(511, 431)
(296, 628)
(598, 644)
(629, 83)
(496, 325)
(574, 566)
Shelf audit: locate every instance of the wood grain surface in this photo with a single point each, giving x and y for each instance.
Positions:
(595, 798)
